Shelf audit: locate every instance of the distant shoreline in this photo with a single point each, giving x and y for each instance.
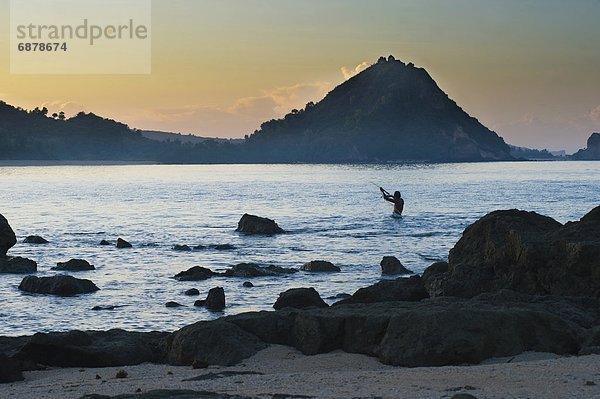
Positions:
(72, 163)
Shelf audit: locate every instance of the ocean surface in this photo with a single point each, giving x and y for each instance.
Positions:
(331, 212)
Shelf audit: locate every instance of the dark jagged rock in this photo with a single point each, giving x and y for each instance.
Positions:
(181, 248)
(248, 284)
(37, 240)
(218, 342)
(182, 394)
(106, 307)
(247, 270)
(74, 265)
(251, 224)
(592, 151)
(435, 269)
(94, 349)
(10, 370)
(60, 285)
(524, 252)
(17, 265)
(196, 273)
(299, 298)
(319, 266)
(172, 304)
(104, 242)
(216, 299)
(192, 292)
(402, 289)
(7, 236)
(391, 265)
(121, 243)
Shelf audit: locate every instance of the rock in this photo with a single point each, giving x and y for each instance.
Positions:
(248, 270)
(299, 298)
(251, 224)
(121, 243)
(17, 265)
(10, 370)
(248, 284)
(403, 289)
(199, 247)
(181, 248)
(7, 236)
(434, 270)
(216, 299)
(524, 252)
(61, 285)
(173, 305)
(195, 273)
(74, 265)
(223, 247)
(35, 240)
(200, 303)
(192, 292)
(216, 343)
(592, 151)
(391, 265)
(95, 349)
(104, 242)
(106, 307)
(319, 266)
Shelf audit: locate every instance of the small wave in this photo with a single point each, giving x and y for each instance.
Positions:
(431, 258)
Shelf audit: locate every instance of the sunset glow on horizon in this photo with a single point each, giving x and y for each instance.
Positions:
(526, 69)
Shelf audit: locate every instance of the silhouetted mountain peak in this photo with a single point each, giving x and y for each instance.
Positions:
(390, 111)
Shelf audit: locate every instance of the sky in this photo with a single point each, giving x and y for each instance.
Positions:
(529, 70)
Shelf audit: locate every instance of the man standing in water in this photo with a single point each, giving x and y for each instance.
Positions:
(396, 199)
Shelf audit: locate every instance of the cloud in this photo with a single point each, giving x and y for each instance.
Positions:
(348, 73)
(595, 115)
(241, 117)
(70, 108)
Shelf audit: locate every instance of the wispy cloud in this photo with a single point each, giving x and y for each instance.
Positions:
(349, 72)
(595, 115)
(243, 116)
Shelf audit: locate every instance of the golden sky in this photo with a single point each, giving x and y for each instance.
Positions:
(527, 69)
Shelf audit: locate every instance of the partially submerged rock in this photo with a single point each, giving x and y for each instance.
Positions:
(61, 285)
(181, 248)
(17, 265)
(247, 270)
(121, 243)
(196, 273)
(391, 265)
(192, 292)
(172, 304)
(251, 224)
(104, 242)
(319, 266)
(299, 298)
(37, 240)
(216, 299)
(74, 265)
(7, 236)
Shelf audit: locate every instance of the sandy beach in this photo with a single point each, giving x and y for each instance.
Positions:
(285, 371)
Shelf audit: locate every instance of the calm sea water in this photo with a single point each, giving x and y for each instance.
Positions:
(331, 212)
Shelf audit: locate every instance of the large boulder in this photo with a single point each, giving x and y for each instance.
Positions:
(7, 236)
(17, 265)
(248, 270)
(36, 240)
(94, 348)
(251, 224)
(319, 266)
(61, 285)
(402, 289)
(299, 298)
(10, 370)
(74, 265)
(215, 343)
(391, 265)
(592, 151)
(524, 252)
(196, 273)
